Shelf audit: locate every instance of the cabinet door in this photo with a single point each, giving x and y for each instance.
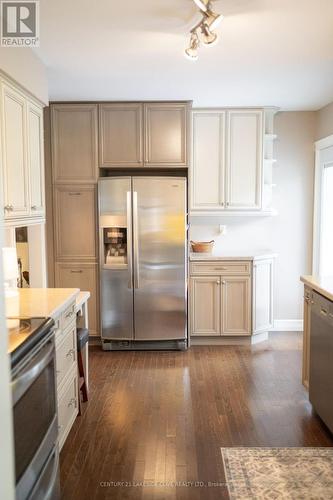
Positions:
(262, 295)
(74, 143)
(14, 141)
(205, 306)
(236, 306)
(166, 134)
(121, 135)
(208, 171)
(36, 159)
(244, 159)
(75, 222)
(83, 276)
(306, 337)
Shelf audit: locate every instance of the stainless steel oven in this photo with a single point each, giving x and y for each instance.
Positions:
(35, 418)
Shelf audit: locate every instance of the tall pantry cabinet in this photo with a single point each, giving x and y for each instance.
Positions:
(73, 174)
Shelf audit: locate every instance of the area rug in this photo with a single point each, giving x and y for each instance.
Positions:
(279, 473)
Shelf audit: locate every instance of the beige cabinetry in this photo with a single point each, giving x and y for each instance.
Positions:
(166, 134)
(143, 135)
(36, 159)
(74, 143)
(236, 305)
(121, 135)
(220, 302)
(306, 336)
(22, 156)
(231, 182)
(85, 277)
(75, 222)
(231, 298)
(205, 305)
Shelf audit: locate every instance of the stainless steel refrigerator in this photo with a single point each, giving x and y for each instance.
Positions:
(143, 246)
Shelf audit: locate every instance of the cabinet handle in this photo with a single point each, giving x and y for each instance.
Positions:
(33, 207)
(72, 402)
(78, 271)
(228, 203)
(70, 353)
(74, 194)
(223, 282)
(69, 314)
(218, 282)
(323, 311)
(9, 208)
(222, 204)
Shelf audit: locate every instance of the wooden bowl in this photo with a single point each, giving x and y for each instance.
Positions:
(202, 246)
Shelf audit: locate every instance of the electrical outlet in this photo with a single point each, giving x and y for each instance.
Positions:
(222, 229)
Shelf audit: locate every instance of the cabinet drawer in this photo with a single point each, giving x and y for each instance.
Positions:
(67, 316)
(66, 355)
(67, 407)
(220, 268)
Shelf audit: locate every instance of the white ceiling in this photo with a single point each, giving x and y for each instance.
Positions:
(270, 52)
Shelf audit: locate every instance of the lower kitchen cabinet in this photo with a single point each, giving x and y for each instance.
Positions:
(231, 298)
(306, 337)
(236, 305)
(205, 306)
(81, 275)
(68, 405)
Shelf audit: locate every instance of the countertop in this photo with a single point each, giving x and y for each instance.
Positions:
(231, 256)
(40, 302)
(322, 284)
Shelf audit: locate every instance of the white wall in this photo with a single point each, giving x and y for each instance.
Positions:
(290, 233)
(324, 122)
(23, 65)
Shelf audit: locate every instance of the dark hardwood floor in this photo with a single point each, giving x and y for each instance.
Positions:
(160, 418)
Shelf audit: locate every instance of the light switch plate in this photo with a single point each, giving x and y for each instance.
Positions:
(222, 229)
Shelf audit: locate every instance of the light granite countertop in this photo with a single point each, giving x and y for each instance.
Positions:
(321, 284)
(40, 302)
(231, 256)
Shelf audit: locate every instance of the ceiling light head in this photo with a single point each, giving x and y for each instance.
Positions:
(202, 4)
(192, 51)
(207, 36)
(212, 20)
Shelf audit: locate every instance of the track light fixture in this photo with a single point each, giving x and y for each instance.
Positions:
(204, 30)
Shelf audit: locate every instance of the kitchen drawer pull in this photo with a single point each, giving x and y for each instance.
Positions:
(223, 282)
(323, 311)
(9, 208)
(69, 314)
(33, 207)
(74, 194)
(78, 271)
(71, 352)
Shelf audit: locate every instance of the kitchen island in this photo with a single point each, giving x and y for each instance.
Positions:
(68, 308)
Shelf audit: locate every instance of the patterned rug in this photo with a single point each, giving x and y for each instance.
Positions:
(279, 473)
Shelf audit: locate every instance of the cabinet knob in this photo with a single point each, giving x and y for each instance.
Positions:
(218, 282)
(223, 282)
(227, 203)
(9, 208)
(33, 207)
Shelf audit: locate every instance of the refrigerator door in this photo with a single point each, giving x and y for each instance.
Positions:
(115, 236)
(159, 258)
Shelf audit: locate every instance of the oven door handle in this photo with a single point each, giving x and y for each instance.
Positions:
(49, 494)
(26, 378)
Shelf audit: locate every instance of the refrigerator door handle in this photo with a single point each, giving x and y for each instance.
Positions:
(129, 239)
(136, 240)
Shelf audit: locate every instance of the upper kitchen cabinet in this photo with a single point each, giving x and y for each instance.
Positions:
(74, 143)
(166, 130)
(36, 159)
(244, 159)
(230, 174)
(121, 135)
(14, 153)
(208, 173)
(22, 154)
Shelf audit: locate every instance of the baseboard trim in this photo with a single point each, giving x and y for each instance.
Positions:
(237, 340)
(287, 325)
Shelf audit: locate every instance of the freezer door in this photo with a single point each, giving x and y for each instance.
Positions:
(116, 247)
(159, 258)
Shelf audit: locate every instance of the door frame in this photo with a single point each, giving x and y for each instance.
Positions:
(320, 146)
